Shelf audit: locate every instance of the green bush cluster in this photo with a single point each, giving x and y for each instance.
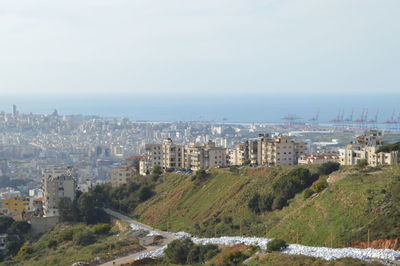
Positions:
(283, 189)
(186, 252)
(200, 176)
(18, 231)
(126, 197)
(286, 187)
(276, 245)
(101, 229)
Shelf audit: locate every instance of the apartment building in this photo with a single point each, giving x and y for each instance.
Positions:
(120, 175)
(192, 156)
(16, 205)
(57, 183)
(201, 156)
(167, 155)
(281, 150)
(365, 147)
(318, 158)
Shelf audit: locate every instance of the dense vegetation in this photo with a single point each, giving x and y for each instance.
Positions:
(66, 244)
(339, 213)
(184, 251)
(17, 233)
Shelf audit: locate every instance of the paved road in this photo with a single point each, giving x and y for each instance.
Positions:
(168, 237)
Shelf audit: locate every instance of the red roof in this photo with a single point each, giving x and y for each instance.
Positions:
(134, 157)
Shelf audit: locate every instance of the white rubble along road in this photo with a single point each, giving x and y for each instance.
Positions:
(295, 249)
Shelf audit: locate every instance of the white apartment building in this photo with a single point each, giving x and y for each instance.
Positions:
(365, 148)
(57, 183)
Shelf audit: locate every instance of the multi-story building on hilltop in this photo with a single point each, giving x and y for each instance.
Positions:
(200, 156)
(120, 175)
(365, 147)
(192, 156)
(57, 183)
(281, 150)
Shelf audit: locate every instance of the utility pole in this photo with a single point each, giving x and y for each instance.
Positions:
(369, 238)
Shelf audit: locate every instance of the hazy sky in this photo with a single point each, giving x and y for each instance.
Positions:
(171, 46)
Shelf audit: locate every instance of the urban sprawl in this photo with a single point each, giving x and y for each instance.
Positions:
(44, 158)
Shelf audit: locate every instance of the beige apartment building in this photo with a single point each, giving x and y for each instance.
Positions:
(365, 148)
(193, 156)
(318, 158)
(281, 150)
(57, 183)
(120, 175)
(201, 156)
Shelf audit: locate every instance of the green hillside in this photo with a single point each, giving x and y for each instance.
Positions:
(343, 212)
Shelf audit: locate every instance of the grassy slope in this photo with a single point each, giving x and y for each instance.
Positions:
(341, 213)
(67, 252)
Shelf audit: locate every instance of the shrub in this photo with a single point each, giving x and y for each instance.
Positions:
(25, 251)
(66, 235)
(145, 193)
(235, 258)
(84, 238)
(177, 251)
(52, 243)
(276, 245)
(308, 193)
(19, 228)
(5, 223)
(200, 175)
(319, 185)
(328, 168)
(101, 229)
(279, 203)
(13, 247)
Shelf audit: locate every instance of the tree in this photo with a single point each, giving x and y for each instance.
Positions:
(68, 210)
(84, 238)
(279, 203)
(12, 247)
(265, 202)
(319, 185)
(253, 203)
(89, 209)
(101, 229)
(177, 251)
(156, 171)
(145, 193)
(5, 223)
(328, 168)
(19, 228)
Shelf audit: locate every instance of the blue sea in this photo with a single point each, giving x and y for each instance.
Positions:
(251, 107)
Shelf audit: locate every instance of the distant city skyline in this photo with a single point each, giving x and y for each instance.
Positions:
(194, 47)
(249, 107)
